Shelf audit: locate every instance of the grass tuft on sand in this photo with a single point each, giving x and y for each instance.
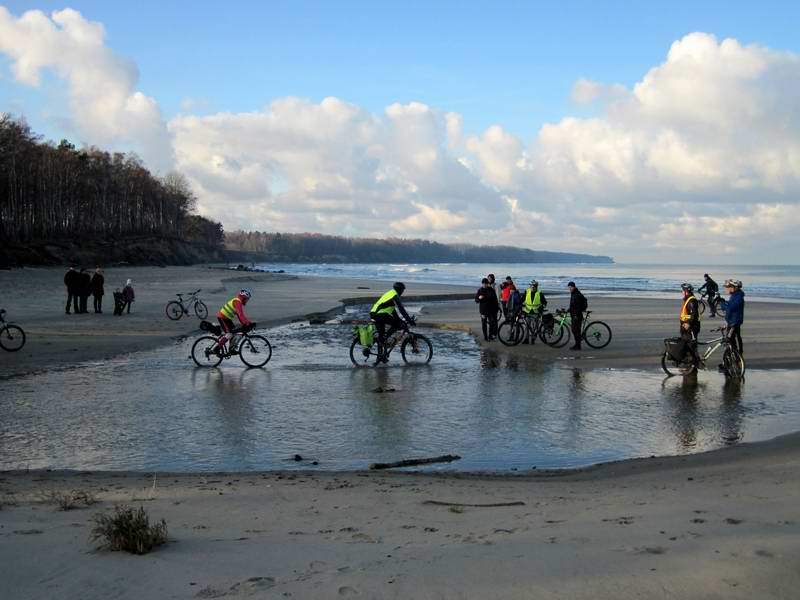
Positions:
(128, 530)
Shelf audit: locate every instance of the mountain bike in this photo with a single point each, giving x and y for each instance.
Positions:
(12, 338)
(702, 303)
(254, 350)
(522, 326)
(177, 308)
(415, 348)
(678, 360)
(595, 333)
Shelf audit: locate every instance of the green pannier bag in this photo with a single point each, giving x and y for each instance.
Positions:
(366, 335)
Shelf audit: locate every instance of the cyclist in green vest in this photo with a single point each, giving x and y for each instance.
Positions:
(232, 308)
(534, 305)
(384, 312)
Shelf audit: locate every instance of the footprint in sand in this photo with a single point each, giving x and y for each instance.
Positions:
(27, 531)
(347, 592)
(620, 520)
(651, 550)
(764, 554)
(732, 521)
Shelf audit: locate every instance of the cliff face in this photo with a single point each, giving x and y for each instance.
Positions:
(144, 250)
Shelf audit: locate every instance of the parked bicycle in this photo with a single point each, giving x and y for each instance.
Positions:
(678, 360)
(415, 348)
(521, 326)
(177, 308)
(595, 333)
(254, 350)
(12, 337)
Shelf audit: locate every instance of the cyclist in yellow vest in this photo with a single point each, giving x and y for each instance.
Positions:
(232, 308)
(384, 312)
(534, 304)
(689, 317)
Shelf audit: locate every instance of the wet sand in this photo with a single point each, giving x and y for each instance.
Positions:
(724, 524)
(639, 326)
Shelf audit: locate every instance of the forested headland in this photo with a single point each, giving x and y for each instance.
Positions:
(59, 203)
(312, 247)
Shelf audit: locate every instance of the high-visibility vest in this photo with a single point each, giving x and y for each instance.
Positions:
(685, 316)
(385, 298)
(228, 308)
(532, 301)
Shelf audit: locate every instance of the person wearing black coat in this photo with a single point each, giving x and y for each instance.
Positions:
(577, 306)
(72, 281)
(97, 289)
(486, 298)
(84, 289)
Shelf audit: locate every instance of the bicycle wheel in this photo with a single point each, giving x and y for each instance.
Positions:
(174, 310)
(12, 338)
(201, 310)
(511, 333)
(553, 335)
(597, 334)
(202, 353)
(255, 351)
(672, 368)
(416, 350)
(733, 363)
(363, 356)
(701, 306)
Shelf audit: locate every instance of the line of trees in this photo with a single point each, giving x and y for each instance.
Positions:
(57, 192)
(314, 247)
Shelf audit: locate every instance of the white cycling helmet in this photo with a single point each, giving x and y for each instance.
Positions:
(245, 294)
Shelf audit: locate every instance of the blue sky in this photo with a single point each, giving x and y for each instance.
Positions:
(623, 128)
(512, 63)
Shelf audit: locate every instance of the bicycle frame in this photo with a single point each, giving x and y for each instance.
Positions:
(713, 345)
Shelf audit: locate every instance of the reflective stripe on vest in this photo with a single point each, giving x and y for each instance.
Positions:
(532, 304)
(685, 316)
(228, 308)
(385, 298)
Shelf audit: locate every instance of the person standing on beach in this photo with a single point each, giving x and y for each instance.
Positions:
(97, 290)
(72, 281)
(712, 290)
(128, 295)
(535, 303)
(505, 294)
(85, 289)
(734, 312)
(690, 319)
(496, 287)
(486, 298)
(577, 306)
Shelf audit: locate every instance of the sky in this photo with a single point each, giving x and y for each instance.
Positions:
(665, 133)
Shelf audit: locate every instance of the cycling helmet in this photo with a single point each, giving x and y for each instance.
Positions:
(399, 287)
(534, 282)
(734, 283)
(244, 295)
(687, 287)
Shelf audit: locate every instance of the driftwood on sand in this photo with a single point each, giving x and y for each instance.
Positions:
(490, 505)
(412, 462)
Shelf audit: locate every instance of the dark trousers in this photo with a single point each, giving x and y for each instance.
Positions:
(690, 336)
(712, 306)
(489, 326)
(72, 298)
(577, 326)
(384, 320)
(735, 337)
(98, 303)
(84, 303)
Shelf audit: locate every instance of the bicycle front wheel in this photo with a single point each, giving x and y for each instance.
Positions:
(205, 352)
(12, 338)
(701, 306)
(174, 310)
(363, 356)
(733, 363)
(597, 334)
(201, 310)
(552, 336)
(416, 350)
(672, 368)
(255, 351)
(511, 333)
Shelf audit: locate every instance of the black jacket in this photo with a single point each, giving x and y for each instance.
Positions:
(72, 280)
(487, 301)
(577, 304)
(97, 284)
(709, 286)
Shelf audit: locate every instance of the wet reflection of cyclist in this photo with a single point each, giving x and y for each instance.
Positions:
(690, 318)
(384, 312)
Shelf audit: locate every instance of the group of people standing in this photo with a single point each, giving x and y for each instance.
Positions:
(734, 311)
(80, 285)
(504, 300)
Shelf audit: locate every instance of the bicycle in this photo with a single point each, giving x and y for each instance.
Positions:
(520, 326)
(596, 334)
(702, 304)
(12, 337)
(678, 360)
(177, 308)
(415, 348)
(253, 350)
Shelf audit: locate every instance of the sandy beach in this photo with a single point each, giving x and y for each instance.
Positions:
(722, 524)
